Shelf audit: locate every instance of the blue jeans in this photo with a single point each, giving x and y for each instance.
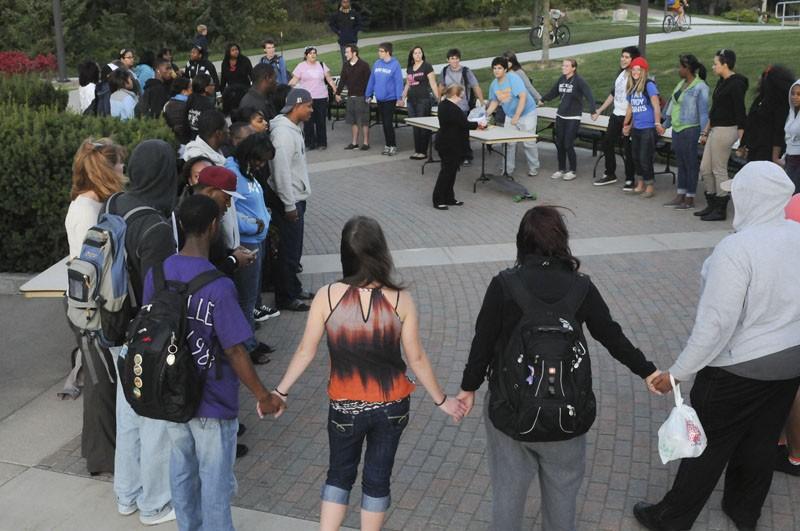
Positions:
(248, 287)
(290, 250)
(346, 433)
(566, 133)
(141, 461)
(643, 143)
(684, 145)
(201, 473)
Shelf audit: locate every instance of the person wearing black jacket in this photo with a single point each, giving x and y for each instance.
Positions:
(573, 90)
(453, 135)
(259, 96)
(726, 121)
(200, 100)
(763, 137)
(175, 110)
(198, 64)
(546, 267)
(156, 92)
(345, 23)
(236, 68)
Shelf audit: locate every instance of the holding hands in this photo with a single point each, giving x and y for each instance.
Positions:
(455, 408)
(658, 383)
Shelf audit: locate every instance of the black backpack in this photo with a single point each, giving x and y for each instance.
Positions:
(158, 374)
(540, 387)
(469, 93)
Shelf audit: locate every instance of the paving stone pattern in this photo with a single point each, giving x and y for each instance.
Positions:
(440, 478)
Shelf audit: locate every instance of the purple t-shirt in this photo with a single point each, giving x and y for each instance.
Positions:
(215, 322)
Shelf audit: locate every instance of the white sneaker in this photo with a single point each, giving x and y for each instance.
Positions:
(127, 510)
(385, 150)
(533, 173)
(557, 175)
(569, 175)
(167, 514)
(392, 151)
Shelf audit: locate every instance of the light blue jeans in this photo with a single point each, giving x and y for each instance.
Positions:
(201, 473)
(526, 124)
(141, 461)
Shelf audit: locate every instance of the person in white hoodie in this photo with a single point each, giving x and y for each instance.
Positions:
(745, 350)
(792, 130)
(287, 190)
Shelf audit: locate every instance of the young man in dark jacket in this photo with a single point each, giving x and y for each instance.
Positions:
(345, 23)
(156, 92)
(259, 96)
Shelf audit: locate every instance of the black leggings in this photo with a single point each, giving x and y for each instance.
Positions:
(314, 129)
(386, 111)
(566, 133)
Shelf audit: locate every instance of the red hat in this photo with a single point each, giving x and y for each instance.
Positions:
(793, 208)
(219, 177)
(641, 62)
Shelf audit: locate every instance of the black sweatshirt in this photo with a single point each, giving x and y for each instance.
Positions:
(572, 92)
(499, 314)
(241, 74)
(355, 78)
(451, 140)
(727, 102)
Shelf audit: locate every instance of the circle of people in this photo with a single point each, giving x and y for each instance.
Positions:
(746, 352)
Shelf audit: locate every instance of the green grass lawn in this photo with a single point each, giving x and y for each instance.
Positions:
(478, 44)
(754, 51)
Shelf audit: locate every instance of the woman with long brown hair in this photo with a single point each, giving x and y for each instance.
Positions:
(96, 176)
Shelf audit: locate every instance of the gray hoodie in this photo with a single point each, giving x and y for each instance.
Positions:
(750, 302)
(289, 174)
(792, 127)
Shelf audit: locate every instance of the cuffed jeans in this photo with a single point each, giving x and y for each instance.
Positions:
(526, 124)
(386, 112)
(714, 165)
(743, 419)
(514, 464)
(382, 429)
(419, 109)
(684, 145)
(614, 137)
(248, 287)
(141, 462)
(566, 133)
(314, 129)
(201, 473)
(644, 152)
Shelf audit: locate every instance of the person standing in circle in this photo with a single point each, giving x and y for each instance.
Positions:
(313, 75)
(420, 92)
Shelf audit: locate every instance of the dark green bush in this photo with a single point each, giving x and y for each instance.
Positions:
(32, 90)
(36, 165)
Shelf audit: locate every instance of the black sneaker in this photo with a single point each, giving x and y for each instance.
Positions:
(628, 186)
(241, 450)
(351, 146)
(605, 179)
(467, 162)
(782, 463)
(264, 313)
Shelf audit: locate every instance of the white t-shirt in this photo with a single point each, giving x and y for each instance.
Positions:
(86, 95)
(621, 94)
(81, 216)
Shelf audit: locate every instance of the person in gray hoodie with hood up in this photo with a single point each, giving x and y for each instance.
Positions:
(792, 130)
(287, 191)
(745, 350)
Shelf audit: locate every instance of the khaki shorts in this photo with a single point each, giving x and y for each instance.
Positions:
(357, 111)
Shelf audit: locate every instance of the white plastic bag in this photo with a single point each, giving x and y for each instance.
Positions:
(477, 114)
(681, 435)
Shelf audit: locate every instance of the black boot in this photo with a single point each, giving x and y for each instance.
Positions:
(709, 205)
(720, 211)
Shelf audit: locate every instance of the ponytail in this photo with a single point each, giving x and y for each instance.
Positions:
(93, 169)
(695, 67)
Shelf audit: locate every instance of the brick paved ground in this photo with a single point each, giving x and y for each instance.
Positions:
(441, 479)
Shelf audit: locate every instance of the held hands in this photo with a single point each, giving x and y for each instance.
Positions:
(659, 383)
(660, 129)
(626, 130)
(649, 382)
(595, 116)
(338, 99)
(467, 398)
(455, 408)
(270, 403)
(292, 215)
(244, 257)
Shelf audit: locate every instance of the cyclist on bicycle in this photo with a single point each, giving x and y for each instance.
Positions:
(677, 7)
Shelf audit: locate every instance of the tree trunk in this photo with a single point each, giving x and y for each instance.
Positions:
(643, 26)
(546, 33)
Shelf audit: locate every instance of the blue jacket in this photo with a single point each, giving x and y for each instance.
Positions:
(386, 81)
(694, 105)
(251, 208)
(279, 65)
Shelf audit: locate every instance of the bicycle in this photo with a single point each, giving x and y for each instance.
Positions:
(559, 34)
(674, 20)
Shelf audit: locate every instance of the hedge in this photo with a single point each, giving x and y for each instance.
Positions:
(36, 164)
(30, 89)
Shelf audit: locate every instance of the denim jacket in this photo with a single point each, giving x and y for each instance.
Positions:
(694, 105)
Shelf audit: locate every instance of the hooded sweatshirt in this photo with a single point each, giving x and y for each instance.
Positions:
(792, 127)
(727, 102)
(289, 174)
(386, 81)
(748, 306)
(153, 178)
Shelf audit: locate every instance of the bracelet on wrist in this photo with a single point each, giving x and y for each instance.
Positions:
(284, 395)
(444, 399)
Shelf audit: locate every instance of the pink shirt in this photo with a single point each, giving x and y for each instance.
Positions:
(312, 78)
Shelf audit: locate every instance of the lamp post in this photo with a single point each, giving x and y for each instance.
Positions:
(642, 26)
(60, 55)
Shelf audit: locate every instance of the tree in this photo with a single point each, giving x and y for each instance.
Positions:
(546, 33)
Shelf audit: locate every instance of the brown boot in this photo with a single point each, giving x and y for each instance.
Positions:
(676, 201)
(688, 204)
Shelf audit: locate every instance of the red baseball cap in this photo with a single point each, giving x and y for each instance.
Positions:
(641, 62)
(219, 177)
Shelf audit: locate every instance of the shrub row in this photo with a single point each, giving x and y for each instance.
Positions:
(29, 89)
(36, 175)
(20, 63)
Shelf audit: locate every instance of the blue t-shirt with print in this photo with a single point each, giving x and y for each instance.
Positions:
(507, 93)
(215, 322)
(644, 116)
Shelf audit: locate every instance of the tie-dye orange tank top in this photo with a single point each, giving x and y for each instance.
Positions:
(366, 363)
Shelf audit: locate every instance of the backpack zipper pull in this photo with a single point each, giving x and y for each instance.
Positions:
(571, 410)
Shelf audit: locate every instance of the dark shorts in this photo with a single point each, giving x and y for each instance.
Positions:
(357, 111)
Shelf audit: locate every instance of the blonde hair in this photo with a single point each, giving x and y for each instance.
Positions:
(637, 87)
(201, 28)
(93, 169)
(453, 90)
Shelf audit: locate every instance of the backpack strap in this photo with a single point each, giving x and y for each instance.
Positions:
(206, 277)
(159, 279)
(531, 305)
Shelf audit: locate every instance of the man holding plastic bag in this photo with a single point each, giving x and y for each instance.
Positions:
(745, 350)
